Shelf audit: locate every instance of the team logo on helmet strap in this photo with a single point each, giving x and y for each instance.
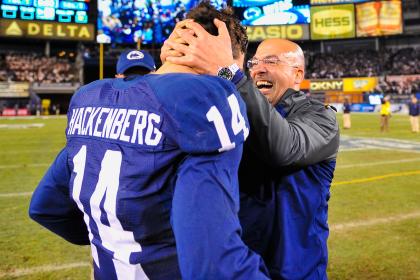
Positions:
(135, 55)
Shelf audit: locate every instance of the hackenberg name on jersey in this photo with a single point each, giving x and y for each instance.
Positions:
(127, 125)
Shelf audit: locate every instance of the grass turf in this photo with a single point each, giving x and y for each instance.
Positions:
(385, 250)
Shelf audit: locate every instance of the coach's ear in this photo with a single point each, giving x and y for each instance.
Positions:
(300, 76)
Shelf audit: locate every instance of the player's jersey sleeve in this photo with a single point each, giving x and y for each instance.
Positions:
(208, 112)
(205, 220)
(52, 207)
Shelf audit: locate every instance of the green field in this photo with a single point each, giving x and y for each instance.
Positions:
(374, 211)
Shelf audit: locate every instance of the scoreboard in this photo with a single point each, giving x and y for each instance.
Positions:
(64, 11)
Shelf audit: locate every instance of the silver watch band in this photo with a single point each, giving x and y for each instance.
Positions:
(234, 68)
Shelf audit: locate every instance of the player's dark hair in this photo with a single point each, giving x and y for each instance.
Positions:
(204, 14)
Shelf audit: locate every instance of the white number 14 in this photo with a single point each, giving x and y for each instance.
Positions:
(238, 123)
(113, 237)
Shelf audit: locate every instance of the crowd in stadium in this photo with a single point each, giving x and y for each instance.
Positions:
(32, 67)
(407, 86)
(405, 62)
(363, 63)
(360, 63)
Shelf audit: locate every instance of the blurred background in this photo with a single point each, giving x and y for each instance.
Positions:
(359, 51)
(362, 50)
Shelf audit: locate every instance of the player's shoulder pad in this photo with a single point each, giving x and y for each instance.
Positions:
(85, 91)
(208, 111)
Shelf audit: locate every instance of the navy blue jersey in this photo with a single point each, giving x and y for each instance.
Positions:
(131, 146)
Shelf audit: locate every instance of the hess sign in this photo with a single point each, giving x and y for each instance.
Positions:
(332, 22)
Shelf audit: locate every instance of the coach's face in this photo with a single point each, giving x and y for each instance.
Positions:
(274, 69)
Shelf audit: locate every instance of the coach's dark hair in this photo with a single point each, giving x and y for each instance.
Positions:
(204, 14)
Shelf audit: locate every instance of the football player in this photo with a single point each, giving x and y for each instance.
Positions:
(148, 176)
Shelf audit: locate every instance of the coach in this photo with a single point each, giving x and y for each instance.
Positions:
(289, 157)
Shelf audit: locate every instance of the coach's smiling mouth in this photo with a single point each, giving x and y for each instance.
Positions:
(264, 86)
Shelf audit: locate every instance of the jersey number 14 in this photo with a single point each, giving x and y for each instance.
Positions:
(238, 123)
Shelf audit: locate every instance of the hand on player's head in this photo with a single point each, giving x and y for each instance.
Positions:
(199, 50)
(166, 49)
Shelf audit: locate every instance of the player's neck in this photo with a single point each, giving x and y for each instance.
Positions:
(168, 67)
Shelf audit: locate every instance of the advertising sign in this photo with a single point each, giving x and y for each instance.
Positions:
(360, 84)
(327, 2)
(390, 17)
(272, 12)
(67, 11)
(291, 32)
(305, 84)
(332, 22)
(14, 89)
(378, 18)
(363, 108)
(46, 30)
(326, 85)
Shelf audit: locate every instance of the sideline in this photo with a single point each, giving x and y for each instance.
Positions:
(63, 116)
(35, 151)
(15, 194)
(22, 126)
(373, 222)
(377, 163)
(376, 178)
(23, 165)
(45, 268)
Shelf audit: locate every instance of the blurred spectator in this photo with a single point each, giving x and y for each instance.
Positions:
(414, 112)
(3, 69)
(346, 114)
(385, 113)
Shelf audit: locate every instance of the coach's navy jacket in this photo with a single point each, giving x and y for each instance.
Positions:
(285, 177)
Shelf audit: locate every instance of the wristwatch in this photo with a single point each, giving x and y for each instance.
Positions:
(228, 72)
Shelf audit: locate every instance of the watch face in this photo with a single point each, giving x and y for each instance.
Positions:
(225, 73)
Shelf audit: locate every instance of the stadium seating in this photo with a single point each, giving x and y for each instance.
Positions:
(35, 68)
(32, 67)
(363, 63)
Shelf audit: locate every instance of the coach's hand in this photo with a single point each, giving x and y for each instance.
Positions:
(203, 52)
(166, 50)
